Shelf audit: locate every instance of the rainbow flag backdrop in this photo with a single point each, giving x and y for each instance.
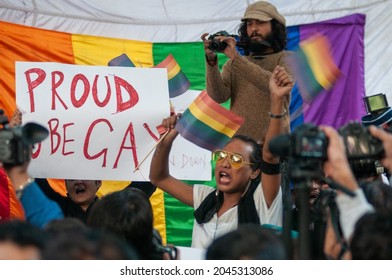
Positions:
(173, 219)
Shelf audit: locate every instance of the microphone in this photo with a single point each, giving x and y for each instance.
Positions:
(280, 145)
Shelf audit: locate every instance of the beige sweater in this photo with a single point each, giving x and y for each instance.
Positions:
(246, 81)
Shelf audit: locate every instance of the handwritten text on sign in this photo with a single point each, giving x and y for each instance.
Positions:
(101, 120)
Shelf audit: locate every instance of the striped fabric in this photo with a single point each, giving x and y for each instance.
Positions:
(208, 124)
(314, 67)
(178, 82)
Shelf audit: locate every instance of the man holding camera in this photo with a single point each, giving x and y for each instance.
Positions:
(245, 79)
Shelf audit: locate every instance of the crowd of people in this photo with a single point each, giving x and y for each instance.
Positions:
(242, 217)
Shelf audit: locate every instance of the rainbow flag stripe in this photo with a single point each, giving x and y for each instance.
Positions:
(178, 82)
(208, 124)
(314, 66)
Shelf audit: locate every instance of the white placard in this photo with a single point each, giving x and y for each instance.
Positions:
(102, 122)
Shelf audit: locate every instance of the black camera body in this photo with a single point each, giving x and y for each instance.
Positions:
(217, 45)
(309, 142)
(16, 142)
(363, 150)
(13, 150)
(359, 143)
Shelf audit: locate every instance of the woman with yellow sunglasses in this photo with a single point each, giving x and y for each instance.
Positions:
(243, 193)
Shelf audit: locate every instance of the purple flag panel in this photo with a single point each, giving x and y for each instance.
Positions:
(344, 102)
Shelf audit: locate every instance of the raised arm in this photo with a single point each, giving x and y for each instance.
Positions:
(280, 85)
(159, 169)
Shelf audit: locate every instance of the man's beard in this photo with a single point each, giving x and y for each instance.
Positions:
(261, 46)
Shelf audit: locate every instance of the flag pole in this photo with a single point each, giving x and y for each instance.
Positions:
(153, 148)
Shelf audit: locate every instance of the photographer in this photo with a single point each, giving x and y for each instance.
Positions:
(38, 209)
(245, 79)
(378, 114)
(338, 169)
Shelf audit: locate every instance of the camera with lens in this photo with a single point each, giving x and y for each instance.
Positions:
(359, 143)
(217, 45)
(306, 142)
(16, 142)
(309, 142)
(363, 150)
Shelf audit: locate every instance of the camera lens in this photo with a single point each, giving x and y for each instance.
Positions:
(216, 45)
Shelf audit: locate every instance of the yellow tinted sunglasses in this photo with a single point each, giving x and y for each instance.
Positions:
(236, 160)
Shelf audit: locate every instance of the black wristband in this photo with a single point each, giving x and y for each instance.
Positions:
(212, 62)
(270, 168)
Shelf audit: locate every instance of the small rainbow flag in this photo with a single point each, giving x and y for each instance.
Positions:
(314, 67)
(178, 82)
(207, 124)
(121, 60)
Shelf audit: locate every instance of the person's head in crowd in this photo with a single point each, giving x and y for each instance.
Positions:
(128, 214)
(372, 238)
(378, 194)
(20, 240)
(83, 243)
(263, 22)
(247, 242)
(82, 192)
(315, 189)
(64, 225)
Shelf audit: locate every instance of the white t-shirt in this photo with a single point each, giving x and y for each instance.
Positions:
(204, 234)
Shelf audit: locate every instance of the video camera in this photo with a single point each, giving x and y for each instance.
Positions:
(308, 142)
(16, 143)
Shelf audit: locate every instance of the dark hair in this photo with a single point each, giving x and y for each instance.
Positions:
(248, 241)
(378, 194)
(372, 237)
(128, 214)
(279, 34)
(23, 234)
(87, 244)
(256, 155)
(66, 224)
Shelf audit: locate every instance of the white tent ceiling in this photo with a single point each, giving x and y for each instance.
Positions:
(185, 21)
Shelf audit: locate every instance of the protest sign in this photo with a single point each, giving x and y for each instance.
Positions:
(101, 120)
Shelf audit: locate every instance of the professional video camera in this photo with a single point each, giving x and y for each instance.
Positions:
(309, 142)
(16, 143)
(252, 46)
(306, 150)
(378, 114)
